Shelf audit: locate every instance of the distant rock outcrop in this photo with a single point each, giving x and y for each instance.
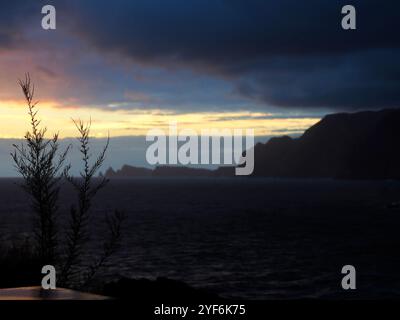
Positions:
(362, 145)
(128, 171)
(168, 171)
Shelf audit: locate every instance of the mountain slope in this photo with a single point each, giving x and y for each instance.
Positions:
(363, 145)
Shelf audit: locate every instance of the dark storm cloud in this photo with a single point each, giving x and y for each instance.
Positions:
(229, 30)
(286, 53)
(13, 17)
(363, 79)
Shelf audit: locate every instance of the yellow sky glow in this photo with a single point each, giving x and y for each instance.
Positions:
(15, 121)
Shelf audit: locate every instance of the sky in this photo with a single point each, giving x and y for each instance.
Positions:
(133, 65)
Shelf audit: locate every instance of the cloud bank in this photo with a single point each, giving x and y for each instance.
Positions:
(221, 54)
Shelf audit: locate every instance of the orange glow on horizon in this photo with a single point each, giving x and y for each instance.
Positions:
(138, 122)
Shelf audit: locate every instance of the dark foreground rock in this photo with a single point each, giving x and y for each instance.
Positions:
(159, 290)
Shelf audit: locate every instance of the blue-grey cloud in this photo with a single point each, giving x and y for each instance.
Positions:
(285, 53)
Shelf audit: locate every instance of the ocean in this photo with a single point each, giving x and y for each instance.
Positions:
(247, 238)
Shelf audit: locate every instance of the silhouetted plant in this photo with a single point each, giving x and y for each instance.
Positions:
(19, 264)
(39, 164)
(110, 245)
(87, 188)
